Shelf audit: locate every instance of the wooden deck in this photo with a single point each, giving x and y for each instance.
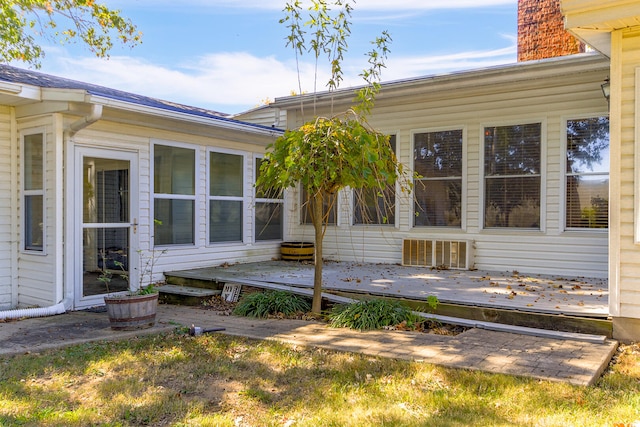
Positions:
(525, 300)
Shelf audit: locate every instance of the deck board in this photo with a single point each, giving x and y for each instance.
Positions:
(585, 297)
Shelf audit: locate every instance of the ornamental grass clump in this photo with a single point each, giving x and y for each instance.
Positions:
(373, 314)
(271, 303)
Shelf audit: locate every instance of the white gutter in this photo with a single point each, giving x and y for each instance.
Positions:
(83, 122)
(185, 117)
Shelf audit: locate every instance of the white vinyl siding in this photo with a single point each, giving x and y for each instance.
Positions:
(39, 275)
(625, 169)
(7, 205)
(201, 253)
(546, 92)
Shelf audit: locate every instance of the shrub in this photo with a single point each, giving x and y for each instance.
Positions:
(267, 303)
(373, 314)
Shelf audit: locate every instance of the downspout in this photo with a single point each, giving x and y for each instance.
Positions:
(74, 128)
(83, 122)
(67, 301)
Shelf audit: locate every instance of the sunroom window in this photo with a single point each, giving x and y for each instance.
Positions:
(174, 195)
(329, 204)
(268, 210)
(512, 176)
(33, 191)
(375, 206)
(437, 159)
(587, 191)
(226, 197)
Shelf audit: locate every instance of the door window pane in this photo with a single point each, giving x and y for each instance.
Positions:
(105, 260)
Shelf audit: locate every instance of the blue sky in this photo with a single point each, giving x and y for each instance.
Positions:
(230, 55)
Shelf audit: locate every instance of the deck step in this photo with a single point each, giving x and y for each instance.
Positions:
(185, 295)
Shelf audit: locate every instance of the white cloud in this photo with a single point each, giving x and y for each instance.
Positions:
(231, 82)
(380, 5)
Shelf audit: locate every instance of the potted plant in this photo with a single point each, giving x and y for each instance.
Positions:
(136, 308)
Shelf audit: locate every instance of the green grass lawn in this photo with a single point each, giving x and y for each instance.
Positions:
(216, 380)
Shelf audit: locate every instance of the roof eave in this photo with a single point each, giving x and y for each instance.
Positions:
(522, 71)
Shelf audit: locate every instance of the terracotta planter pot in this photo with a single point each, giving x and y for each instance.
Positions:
(297, 251)
(132, 312)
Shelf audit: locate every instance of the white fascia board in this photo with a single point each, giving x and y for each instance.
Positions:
(600, 15)
(489, 77)
(176, 115)
(20, 91)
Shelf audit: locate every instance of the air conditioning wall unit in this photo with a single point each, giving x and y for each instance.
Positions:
(454, 254)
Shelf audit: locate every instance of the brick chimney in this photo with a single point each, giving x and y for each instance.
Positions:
(541, 32)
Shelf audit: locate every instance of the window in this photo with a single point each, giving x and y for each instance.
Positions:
(437, 159)
(226, 197)
(329, 203)
(174, 195)
(372, 206)
(268, 211)
(512, 176)
(587, 196)
(33, 191)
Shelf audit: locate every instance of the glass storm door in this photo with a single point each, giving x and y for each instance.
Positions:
(107, 199)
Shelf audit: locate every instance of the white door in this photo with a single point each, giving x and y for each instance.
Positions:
(106, 212)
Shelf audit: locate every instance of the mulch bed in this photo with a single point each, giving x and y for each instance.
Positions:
(225, 308)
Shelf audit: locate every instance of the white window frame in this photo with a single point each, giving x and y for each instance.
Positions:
(464, 196)
(257, 200)
(38, 192)
(164, 196)
(543, 175)
(563, 196)
(245, 198)
(351, 196)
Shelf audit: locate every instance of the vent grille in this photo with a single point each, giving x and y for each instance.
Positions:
(455, 254)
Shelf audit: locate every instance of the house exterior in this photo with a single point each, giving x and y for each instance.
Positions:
(95, 179)
(613, 28)
(513, 163)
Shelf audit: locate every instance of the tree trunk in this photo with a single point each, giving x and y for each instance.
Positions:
(317, 219)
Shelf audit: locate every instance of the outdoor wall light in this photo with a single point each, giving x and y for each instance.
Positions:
(606, 88)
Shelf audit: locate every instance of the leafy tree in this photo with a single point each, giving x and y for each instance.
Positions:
(327, 154)
(64, 21)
